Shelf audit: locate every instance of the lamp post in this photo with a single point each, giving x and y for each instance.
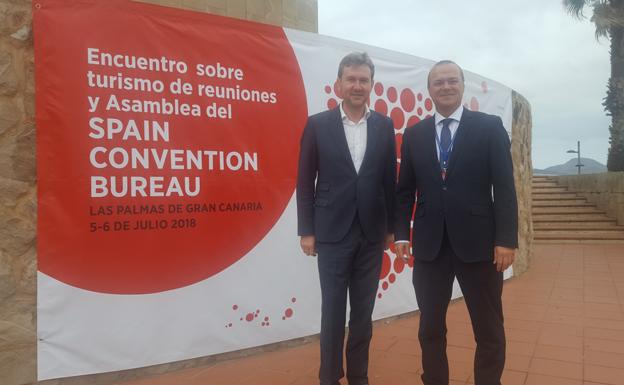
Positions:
(578, 152)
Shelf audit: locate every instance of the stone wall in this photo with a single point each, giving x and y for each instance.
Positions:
(606, 190)
(17, 195)
(523, 174)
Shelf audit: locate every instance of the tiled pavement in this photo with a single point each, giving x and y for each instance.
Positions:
(564, 321)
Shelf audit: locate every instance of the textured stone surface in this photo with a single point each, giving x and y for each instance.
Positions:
(17, 365)
(8, 76)
(606, 190)
(523, 174)
(9, 114)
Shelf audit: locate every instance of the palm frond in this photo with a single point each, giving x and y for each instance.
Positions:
(606, 16)
(575, 7)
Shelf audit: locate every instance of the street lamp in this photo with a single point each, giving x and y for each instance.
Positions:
(578, 152)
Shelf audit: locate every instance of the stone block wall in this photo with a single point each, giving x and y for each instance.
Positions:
(523, 174)
(606, 190)
(17, 195)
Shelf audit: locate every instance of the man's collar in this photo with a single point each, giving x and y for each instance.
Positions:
(344, 116)
(456, 115)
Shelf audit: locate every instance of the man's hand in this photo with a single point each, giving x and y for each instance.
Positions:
(503, 257)
(389, 241)
(308, 245)
(402, 250)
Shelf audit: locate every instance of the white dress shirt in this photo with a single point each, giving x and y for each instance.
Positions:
(453, 126)
(356, 136)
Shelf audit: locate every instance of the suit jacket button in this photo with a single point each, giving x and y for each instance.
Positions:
(443, 188)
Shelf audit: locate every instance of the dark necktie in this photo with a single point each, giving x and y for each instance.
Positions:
(445, 143)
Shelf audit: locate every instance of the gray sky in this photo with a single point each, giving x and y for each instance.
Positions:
(532, 46)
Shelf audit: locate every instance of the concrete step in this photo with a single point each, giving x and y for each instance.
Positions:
(578, 241)
(548, 190)
(594, 226)
(578, 235)
(585, 217)
(555, 196)
(562, 203)
(542, 177)
(544, 184)
(566, 210)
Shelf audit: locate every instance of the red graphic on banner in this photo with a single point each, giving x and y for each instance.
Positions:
(165, 150)
(251, 318)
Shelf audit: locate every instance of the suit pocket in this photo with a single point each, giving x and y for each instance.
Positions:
(321, 202)
(322, 186)
(482, 211)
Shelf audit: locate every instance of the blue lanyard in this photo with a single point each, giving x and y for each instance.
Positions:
(445, 153)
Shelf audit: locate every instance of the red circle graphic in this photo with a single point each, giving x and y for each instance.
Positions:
(146, 244)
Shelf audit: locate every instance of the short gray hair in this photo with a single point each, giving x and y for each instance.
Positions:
(356, 59)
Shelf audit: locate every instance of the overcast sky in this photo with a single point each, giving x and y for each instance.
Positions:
(532, 46)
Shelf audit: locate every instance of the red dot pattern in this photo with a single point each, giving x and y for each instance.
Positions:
(429, 104)
(408, 100)
(392, 94)
(385, 266)
(379, 88)
(264, 321)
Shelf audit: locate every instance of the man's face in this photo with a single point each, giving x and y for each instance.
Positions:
(355, 86)
(446, 88)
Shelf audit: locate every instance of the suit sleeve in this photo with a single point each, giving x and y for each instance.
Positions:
(505, 202)
(306, 176)
(405, 193)
(390, 177)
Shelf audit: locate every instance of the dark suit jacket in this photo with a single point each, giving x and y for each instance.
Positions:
(477, 201)
(329, 190)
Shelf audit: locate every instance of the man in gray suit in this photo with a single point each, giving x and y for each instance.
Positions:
(345, 200)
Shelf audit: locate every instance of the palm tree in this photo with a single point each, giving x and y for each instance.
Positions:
(608, 15)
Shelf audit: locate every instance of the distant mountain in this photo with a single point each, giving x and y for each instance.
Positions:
(590, 166)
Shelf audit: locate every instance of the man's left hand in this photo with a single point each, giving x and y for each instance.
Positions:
(389, 241)
(503, 257)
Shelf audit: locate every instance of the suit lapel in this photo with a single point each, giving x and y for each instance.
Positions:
(461, 138)
(432, 149)
(371, 139)
(338, 135)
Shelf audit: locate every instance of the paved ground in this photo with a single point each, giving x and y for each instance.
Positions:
(564, 321)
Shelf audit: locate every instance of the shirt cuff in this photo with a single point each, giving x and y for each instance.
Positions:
(398, 242)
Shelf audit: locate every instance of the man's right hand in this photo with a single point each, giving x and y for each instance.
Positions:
(402, 250)
(308, 245)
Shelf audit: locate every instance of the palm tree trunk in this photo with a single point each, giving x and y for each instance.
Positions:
(614, 101)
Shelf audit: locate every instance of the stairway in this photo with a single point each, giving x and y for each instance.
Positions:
(561, 216)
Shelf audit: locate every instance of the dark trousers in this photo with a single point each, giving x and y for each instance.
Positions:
(352, 264)
(482, 288)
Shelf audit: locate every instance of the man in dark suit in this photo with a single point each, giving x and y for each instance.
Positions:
(457, 166)
(345, 201)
